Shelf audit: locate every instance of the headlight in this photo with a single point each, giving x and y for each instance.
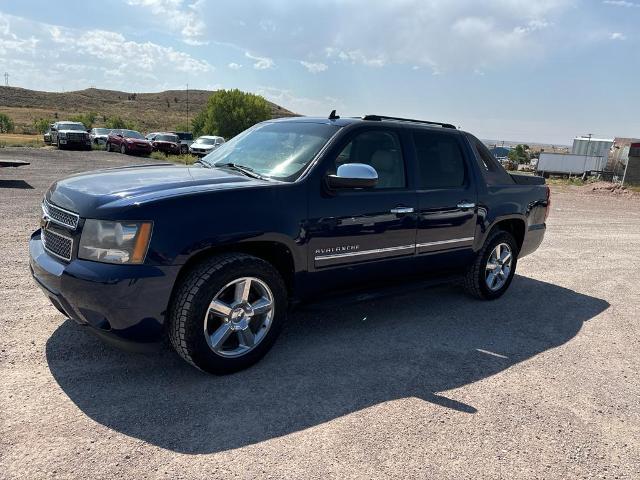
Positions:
(115, 242)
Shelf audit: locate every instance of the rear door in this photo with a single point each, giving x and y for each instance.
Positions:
(446, 194)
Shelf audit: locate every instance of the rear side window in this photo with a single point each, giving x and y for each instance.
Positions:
(492, 171)
(440, 160)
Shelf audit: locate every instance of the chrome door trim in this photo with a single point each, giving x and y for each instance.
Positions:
(445, 242)
(365, 252)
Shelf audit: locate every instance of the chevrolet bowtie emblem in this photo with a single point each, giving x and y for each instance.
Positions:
(44, 222)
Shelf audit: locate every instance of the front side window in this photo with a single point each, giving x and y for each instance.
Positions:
(382, 150)
(440, 160)
(280, 150)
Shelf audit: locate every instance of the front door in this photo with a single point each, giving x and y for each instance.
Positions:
(446, 196)
(352, 227)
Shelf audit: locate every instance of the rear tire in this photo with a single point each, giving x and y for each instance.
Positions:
(107, 147)
(196, 323)
(490, 275)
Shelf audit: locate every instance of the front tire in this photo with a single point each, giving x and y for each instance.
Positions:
(227, 312)
(492, 271)
(123, 149)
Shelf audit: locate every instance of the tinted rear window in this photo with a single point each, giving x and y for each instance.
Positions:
(492, 171)
(440, 160)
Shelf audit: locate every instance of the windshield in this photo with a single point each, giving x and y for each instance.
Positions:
(100, 131)
(166, 138)
(278, 150)
(70, 126)
(132, 134)
(185, 135)
(206, 141)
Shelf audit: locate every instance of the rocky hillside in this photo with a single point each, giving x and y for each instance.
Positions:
(149, 111)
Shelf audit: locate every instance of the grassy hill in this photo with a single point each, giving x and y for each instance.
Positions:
(149, 111)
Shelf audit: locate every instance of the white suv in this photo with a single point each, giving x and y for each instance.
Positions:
(205, 145)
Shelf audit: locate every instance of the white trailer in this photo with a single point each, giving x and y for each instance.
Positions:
(569, 164)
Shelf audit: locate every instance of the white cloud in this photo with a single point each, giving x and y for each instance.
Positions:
(617, 36)
(441, 35)
(303, 105)
(262, 63)
(622, 3)
(77, 58)
(178, 16)
(234, 66)
(314, 67)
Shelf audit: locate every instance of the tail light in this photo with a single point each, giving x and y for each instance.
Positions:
(546, 213)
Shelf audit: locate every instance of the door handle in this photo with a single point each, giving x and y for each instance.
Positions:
(466, 205)
(402, 210)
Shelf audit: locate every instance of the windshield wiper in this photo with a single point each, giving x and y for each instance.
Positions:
(204, 164)
(248, 171)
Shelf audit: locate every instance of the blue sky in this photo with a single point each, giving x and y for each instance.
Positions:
(530, 70)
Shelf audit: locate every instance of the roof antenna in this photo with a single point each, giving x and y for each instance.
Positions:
(333, 116)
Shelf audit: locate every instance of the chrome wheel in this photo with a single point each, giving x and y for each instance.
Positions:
(239, 317)
(498, 266)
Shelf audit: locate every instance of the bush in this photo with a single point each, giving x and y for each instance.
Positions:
(119, 122)
(6, 124)
(229, 112)
(41, 125)
(87, 119)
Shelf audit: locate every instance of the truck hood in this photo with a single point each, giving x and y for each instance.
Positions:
(93, 193)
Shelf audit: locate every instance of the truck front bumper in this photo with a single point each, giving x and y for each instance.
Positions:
(126, 304)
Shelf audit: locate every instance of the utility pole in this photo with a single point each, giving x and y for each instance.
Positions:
(187, 104)
(6, 79)
(584, 167)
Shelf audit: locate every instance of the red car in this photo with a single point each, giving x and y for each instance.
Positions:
(166, 142)
(128, 142)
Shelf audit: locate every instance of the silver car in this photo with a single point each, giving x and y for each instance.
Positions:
(205, 145)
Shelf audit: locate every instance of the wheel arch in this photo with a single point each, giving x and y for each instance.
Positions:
(515, 225)
(276, 253)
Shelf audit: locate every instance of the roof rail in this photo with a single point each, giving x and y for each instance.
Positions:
(378, 118)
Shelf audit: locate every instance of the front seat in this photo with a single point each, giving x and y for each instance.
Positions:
(390, 171)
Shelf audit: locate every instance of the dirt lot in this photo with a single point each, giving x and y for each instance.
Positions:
(543, 383)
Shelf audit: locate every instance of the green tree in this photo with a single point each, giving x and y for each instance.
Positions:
(182, 127)
(41, 125)
(6, 124)
(87, 119)
(197, 124)
(519, 154)
(229, 112)
(119, 122)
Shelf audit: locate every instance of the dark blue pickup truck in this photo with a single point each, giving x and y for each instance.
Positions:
(212, 255)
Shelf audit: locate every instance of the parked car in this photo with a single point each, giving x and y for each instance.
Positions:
(205, 145)
(151, 136)
(70, 134)
(128, 142)
(167, 143)
(46, 137)
(99, 135)
(213, 254)
(186, 139)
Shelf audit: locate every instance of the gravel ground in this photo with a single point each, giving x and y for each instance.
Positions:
(543, 383)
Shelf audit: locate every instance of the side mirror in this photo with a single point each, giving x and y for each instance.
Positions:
(120, 135)
(353, 175)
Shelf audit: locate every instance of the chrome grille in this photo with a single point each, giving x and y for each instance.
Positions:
(60, 216)
(57, 244)
(75, 136)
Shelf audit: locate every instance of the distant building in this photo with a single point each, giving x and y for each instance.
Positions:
(632, 170)
(593, 147)
(500, 152)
